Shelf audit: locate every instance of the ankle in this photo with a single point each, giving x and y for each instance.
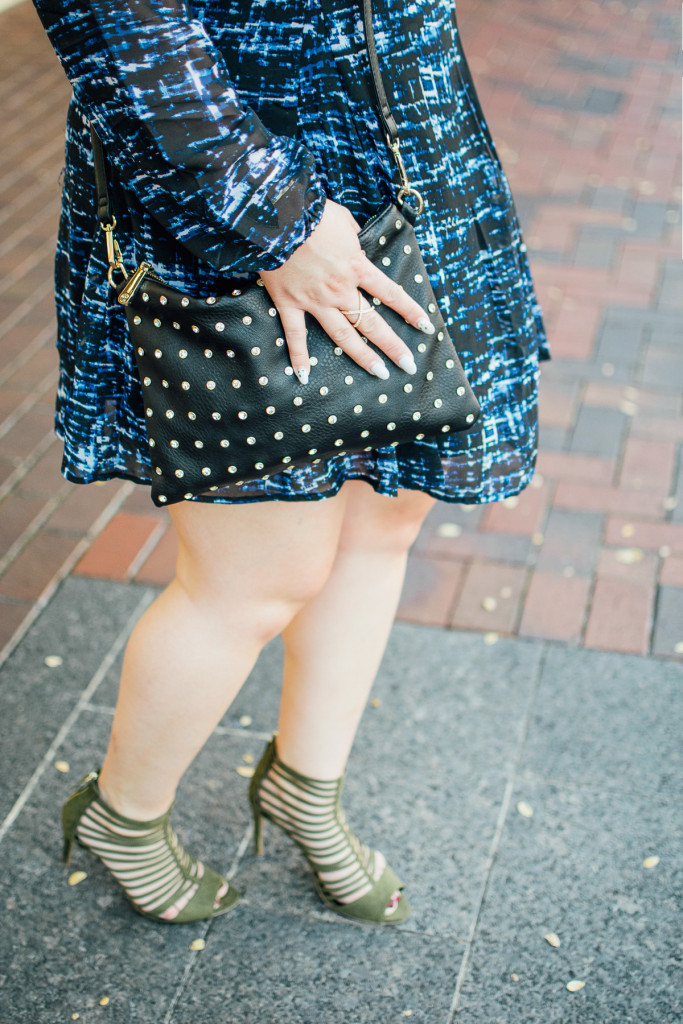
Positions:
(132, 805)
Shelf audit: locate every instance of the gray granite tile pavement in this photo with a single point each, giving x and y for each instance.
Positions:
(461, 731)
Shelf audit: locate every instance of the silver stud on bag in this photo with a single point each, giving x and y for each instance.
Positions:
(176, 325)
(407, 248)
(399, 224)
(183, 353)
(208, 353)
(232, 469)
(348, 379)
(339, 442)
(211, 301)
(184, 301)
(163, 300)
(419, 278)
(272, 311)
(225, 443)
(357, 408)
(460, 391)
(157, 322)
(256, 351)
(417, 415)
(324, 390)
(312, 451)
(242, 415)
(331, 419)
(381, 399)
(164, 383)
(141, 351)
(174, 444)
(246, 319)
(192, 415)
(206, 471)
(270, 409)
(450, 364)
(278, 435)
(145, 297)
(296, 401)
(429, 375)
(431, 307)
(306, 427)
(437, 403)
(365, 433)
(289, 371)
(337, 350)
(386, 262)
(237, 383)
(263, 380)
(195, 329)
(407, 388)
(147, 381)
(211, 385)
(440, 336)
(158, 353)
(279, 342)
(382, 240)
(199, 444)
(179, 472)
(313, 360)
(391, 426)
(185, 385)
(469, 418)
(169, 414)
(220, 327)
(162, 498)
(215, 416)
(422, 347)
(229, 353)
(251, 440)
(137, 319)
(238, 291)
(445, 429)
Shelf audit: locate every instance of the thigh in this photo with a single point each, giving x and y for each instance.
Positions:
(380, 521)
(250, 549)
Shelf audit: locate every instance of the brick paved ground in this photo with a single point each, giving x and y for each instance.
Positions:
(584, 105)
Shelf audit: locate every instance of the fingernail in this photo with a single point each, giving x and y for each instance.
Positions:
(426, 325)
(302, 374)
(379, 369)
(407, 363)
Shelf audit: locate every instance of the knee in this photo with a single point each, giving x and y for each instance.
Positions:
(387, 524)
(260, 603)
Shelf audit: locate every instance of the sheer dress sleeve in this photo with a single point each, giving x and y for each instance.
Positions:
(159, 94)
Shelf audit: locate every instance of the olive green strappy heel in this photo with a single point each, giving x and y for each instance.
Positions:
(148, 855)
(344, 857)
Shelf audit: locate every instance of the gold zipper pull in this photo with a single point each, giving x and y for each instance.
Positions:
(133, 283)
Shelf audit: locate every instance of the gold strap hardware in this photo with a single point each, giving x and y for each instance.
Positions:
(406, 188)
(114, 254)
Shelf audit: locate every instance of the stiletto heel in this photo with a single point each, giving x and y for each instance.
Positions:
(258, 830)
(151, 856)
(66, 851)
(309, 808)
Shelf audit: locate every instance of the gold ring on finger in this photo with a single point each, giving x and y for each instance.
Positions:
(358, 313)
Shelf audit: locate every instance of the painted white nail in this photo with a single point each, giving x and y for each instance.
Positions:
(407, 363)
(302, 374)
(379, 369)
(426, 325)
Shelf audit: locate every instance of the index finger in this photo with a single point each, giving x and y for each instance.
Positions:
(375, 282)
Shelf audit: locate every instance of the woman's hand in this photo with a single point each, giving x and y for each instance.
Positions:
(322, 277)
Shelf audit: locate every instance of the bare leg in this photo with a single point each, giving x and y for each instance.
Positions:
(334, 645)
(243, 573)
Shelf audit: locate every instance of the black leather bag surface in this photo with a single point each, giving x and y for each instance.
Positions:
(222, 401)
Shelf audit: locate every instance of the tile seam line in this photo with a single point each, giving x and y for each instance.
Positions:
(74, 714)
(27, 352)
(78, 551)
(193, 960)
(495, 841)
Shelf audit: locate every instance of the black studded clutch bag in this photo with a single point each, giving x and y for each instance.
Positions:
(221, 399)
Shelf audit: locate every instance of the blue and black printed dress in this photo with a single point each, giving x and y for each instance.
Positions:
(227, 124)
